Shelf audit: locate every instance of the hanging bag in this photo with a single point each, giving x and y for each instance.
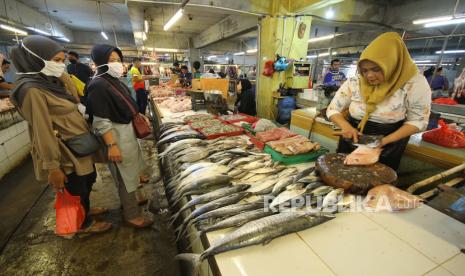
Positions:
(69, 213)
(141, 127)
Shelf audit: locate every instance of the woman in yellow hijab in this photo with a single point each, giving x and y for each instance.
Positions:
(389, 98)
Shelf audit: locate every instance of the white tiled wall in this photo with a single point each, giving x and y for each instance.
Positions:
(14, 146)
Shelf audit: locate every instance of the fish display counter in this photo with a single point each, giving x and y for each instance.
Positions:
(358, 241)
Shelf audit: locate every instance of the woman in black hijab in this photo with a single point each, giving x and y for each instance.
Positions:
(111, 110)
(43, 97)
(246, 98)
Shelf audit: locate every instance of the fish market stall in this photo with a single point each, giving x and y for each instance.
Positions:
(14, 138)
(218, 183)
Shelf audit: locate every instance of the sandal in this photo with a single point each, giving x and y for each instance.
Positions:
(146, 223)
(144, 179)
(95, 211)
(96, 227)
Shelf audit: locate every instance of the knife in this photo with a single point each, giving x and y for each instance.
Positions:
(371, 141)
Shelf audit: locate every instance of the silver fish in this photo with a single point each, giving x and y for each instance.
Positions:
(178, 136)
(287, 196)
(210, 197)
(332, 197)
(264, 186)
(260, 231)
(258, 177)
(215, 204)
(254, 165)
(181, 143)
(287, 172)
(304, 173)
(282, 184)
(236, 220)
(201, 183)
(265, 170)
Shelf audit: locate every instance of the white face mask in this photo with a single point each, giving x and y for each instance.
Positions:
(51, 68)
(115, 69)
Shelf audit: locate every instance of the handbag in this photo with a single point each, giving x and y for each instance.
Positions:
(140, 125)
(82, 145)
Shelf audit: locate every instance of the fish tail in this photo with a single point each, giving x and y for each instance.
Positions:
(194, 259)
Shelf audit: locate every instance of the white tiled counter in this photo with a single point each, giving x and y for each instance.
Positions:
(417, 242)
(14, 146)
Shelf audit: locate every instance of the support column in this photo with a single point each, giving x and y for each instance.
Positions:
(194, 55)
(278, 35)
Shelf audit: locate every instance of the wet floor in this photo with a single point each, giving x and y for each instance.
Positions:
(33, 249)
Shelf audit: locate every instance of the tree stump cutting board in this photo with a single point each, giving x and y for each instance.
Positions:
(353, 179)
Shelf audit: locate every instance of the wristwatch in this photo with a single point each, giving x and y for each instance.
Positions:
(111, 145)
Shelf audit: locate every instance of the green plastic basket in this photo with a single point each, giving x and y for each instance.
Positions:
(248, 128)
(296, 159)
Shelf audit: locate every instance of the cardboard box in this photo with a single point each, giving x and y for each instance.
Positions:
(301, 122)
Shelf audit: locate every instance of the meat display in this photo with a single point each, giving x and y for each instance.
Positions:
(160, 94)
(389, 198)
(274, 134)
(294, 145)
(363, 155)
(177, 104)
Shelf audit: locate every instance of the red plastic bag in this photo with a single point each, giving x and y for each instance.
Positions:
(447, 101)
(445, 136)
(69, 213)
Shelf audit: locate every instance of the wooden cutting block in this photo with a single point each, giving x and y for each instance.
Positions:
(353, 179)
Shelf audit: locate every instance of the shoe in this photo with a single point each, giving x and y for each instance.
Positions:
(95, 211)
(145, 223)
(96, 227)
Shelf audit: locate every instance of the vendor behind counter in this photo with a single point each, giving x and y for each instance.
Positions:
(389, 98)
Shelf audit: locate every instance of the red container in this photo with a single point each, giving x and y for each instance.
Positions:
(247, 119)
(199, 128)
(226, 134)
(259, 144)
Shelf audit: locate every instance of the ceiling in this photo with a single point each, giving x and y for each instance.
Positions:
(82, 15)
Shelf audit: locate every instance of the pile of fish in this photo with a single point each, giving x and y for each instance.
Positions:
(234, 185)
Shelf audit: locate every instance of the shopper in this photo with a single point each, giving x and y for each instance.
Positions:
(138, 82)
(334, 77)
(389, 98)
(439, 84)
(51, 111)
(109, 107)
(176, 68)
(246, 98)
(5, 87)
(185, 77)
(459, 88)
(197, 73)
(211, 71)
(80, 70)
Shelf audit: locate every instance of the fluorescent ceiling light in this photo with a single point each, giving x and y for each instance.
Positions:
(321, 38)
(432, 19)
(445, 23)
(63, 38)
(104, 35)
(322, 4)
(210, 57)
(166, 50)
(227, 58)
(329, 13)
(451, 52)
(13, 29)
(173, 20)
(167, 55)
(251, 51)
(146, 26)
(39, 31)
(322, 55)
(312, 56)
(144, 36)
(239, 54)
(423, 61)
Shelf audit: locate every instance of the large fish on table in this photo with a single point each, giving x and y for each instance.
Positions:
(215, 204)
(210, 197)
(206, 181)
(260, 231)
(173, 137)
(180, 145)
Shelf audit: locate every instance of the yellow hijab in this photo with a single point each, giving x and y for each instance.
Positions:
(390, 53)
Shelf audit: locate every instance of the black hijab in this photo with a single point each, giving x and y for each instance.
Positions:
(25, 62)
(246, 100)
(102, 99)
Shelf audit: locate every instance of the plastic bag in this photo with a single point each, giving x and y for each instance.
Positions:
(263, 125)
(447, 101)
(389, 198)
(70, 214)
(445, 136)
(268, 68)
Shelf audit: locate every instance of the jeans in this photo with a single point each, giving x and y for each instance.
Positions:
(82, 186)
(142, 100)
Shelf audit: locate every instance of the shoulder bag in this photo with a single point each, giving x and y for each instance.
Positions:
(82, 145)
(141, 127)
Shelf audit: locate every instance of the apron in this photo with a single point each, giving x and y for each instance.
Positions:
(391, 154)
(133, 162)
